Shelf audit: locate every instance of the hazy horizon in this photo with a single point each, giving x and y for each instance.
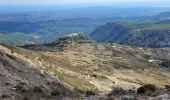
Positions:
(118, 3)
(8, 6)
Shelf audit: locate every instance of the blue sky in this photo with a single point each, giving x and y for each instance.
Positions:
(161, 2)
(31, 5)
(92, 2)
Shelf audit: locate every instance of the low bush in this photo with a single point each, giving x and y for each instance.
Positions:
(79, 91)
(37, 89)
(90, 93)
(117, 91)
(5, 96)
(165, 64)
(167, 87)
(21, 87)
(148, 88)
(26, 98)
(55, 93)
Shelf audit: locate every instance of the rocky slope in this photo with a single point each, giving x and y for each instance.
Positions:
(21, 79)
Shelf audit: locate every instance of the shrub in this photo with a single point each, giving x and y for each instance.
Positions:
(90, 93)
(167, 87)
(146, 89)
(55, 93)
(4, 96)
(7, 83)
(109, 98)
(117, 91)
(165, 64)
(131, 91)
(26, 57)
(12, 52)
(37, 89)
(94, 75)
(21, 87)
(78, 90)
(26, 98)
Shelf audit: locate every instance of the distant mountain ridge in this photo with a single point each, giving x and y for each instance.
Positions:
(128, 33)
(23, 29)
(163, 16)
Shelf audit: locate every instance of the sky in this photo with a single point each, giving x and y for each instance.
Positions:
(114, 2)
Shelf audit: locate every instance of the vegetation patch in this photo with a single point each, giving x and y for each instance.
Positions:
(146, 89)
(117, 91)
(165, 64)
(90, 93)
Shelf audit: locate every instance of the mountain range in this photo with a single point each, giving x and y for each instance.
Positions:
(37, 28)
(129, 33)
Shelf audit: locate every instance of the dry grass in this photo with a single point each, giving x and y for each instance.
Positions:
(99, 67)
